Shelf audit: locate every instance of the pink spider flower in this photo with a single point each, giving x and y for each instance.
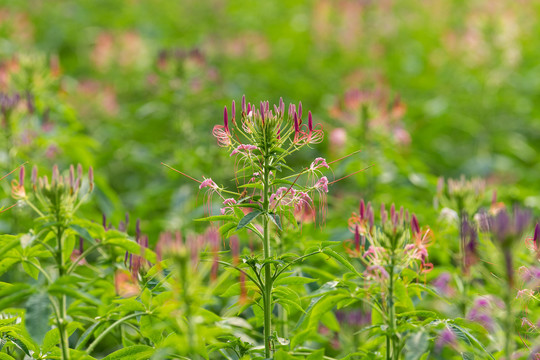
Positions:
(375, 255)
(304, 209)
(377, 272)
(283, 195)
(244, 149)
(221, 132)
(208, 183)
(318, 163)
(211, 189)
(322, 185)
(228, 205)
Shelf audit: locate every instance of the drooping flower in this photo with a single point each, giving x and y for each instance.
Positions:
(208, 183)
(221, 132)
(318, 163)
(228, 205)
(322, 184)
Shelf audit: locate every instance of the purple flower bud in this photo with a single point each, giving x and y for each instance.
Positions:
(126, 257)
(104, 221)
(276, 110)
(536, 235)
(55, 175)
(415, 227)
(296, 125)
(357, 237)
(226, 120)
(310, 122)
(281, 106)
(244, 104)
(71, 176)
(393, 214)
(21, 176)
(233, 110)
(34, 176)
(362, 211)
(300, 109)
(79, 170)
(127, 219)
(91, 177)
(248, 108)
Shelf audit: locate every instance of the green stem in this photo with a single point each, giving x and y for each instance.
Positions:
(390, 337)
(268, 281)
(110, 328)
(62, 300)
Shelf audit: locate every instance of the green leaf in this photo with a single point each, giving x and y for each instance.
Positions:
(402, 297)
(330, 252)
(226, 228)
(134, 352)
(56, 289)
(133, 248)
(86, 335)
(293, 280)
(416, 345)
(247, 219)
(4, 356)
(218, 218)
(276, 220)
(316, 355)
(52, 338)
(458, 330)
(129, 305)
(31, 269)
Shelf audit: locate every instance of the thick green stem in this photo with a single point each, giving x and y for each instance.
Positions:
(268, 281)
(391, 352)
(509, 320)
(62, 300)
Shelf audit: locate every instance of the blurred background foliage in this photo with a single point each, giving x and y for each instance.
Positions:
(423, 88)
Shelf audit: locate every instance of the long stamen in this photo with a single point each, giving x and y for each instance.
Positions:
(181, 173)
(351, 174)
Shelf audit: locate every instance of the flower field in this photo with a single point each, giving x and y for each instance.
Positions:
(282, 180)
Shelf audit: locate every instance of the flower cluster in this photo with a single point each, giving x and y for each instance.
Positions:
(60, 194)
(390, 243)
(461, 195)
(262, 126)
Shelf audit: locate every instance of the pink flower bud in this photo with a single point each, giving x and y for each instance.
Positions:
(91, 177)
(244, 109)
(226, 120)
(310, 122)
